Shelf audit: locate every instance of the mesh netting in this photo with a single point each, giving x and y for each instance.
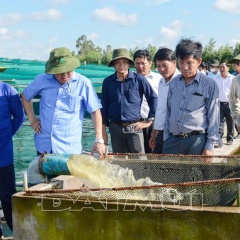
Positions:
(178, 180)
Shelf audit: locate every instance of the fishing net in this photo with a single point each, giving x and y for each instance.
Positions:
(168, 179)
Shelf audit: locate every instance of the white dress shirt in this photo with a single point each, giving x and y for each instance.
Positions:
(160, 115)
(224, 85)
(154, 79)
(212, 75)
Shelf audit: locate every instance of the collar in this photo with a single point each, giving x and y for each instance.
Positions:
(196, 78)
(130, 75)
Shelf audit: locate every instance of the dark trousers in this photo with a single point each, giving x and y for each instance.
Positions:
(193, 145)
(7, 189)
(226, 114)
(125, 139)
(147, 135)
(159, 143)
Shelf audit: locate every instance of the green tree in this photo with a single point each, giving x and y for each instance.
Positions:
(209, 53)
(107, 55)
(225, 53)
(236, 50)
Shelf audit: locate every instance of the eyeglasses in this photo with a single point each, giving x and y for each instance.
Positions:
(237, 63)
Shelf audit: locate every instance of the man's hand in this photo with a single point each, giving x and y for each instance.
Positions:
(152, 141)
(140, 125)
(100, 148)
(207, 153)
(36, 126)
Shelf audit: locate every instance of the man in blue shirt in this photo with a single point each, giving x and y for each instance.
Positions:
(192, 118)
(122, 94)
(11, 118)
(65, 95)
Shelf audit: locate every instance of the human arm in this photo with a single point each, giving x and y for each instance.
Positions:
(16, 110)
(213, 118)
(97, 123)
(234, 103)
(152, 140)
(105, 135)
(28, 106)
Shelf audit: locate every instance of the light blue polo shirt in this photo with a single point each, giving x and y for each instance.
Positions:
(62, 109)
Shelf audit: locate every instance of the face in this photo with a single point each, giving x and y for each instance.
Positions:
(143, 66)
(166, 68)
(213, 69)
(236, 67)
(64, 77)
(189, 67)
(223, 68)
(121, 65)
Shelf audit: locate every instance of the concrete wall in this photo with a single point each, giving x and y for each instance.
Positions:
(42, 218)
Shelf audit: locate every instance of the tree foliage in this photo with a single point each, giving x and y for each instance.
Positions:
(87, 51)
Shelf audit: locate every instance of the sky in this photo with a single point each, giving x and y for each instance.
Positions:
(30, 29)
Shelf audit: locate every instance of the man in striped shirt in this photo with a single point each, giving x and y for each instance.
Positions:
(192, 118)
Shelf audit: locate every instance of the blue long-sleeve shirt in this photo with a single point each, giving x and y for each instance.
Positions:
(121, 100)
(11, 118)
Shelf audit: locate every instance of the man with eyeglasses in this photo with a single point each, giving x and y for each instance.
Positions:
(234, 94)
(143, 63)
(122, 94)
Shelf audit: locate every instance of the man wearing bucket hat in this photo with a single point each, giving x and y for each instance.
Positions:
(214, 69)
(65, 94)
(122, 94)
(234, 94)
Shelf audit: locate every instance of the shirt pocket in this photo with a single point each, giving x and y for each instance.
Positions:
(195, 102)
(132, 95)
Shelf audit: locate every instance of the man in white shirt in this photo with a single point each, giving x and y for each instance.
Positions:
(143, 63)
(165, 61)
(224, 82)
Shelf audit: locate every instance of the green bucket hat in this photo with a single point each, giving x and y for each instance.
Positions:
(60, 61)
(235, 59)
(214, 63)
(120, 53)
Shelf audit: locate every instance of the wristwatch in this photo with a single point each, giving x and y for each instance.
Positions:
(99, 140)
(150, 119)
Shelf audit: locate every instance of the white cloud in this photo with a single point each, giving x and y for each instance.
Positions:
(236, 40)
(92, 36)
(146, 2)
(10, 19)
(109, 15)
(231, 6)
(51, 14)
(155, 2)
(3, 32)
(172, 31)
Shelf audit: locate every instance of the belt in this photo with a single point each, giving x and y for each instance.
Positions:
(224, 103)
(126, 123)
(186, 135)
